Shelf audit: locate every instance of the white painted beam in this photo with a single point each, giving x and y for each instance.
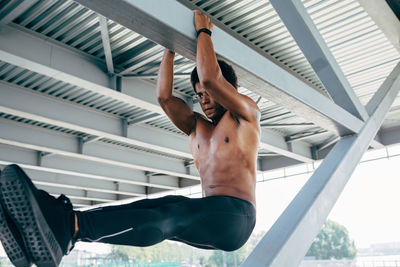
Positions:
(47, 58)
(49, 141)
(154, 20)
(106, 43)
(384, 18)
(26, 104)
(86, 170)
(298, 150)
(299, 23)
(390, 136)
(23, 103)
(289, 238)
(277, 162)
(55, 61)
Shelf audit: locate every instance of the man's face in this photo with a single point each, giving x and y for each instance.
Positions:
(211, 109)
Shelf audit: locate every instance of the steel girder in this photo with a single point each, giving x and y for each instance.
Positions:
(68, 146)
(299, 23)
(52, 60)
(23, 103)
(384, 17)
(287, 241)
(106, 43)
(87, 170)
(166, 22)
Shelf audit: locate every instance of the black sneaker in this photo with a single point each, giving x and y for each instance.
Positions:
(12, 241)
(45, 223)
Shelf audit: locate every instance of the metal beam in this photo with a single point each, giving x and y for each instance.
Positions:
(175, 30)
(304, 135)
(155, 75)
(286, 125)
(85, 170)
(29, 105)
(49, 141)
(144, 119)
(390, 136)
(384, 18)
(299, 23)
(23, 103)
(48, 58)
(273, 163)
(287, 241)
(299, 151)
(106, 43)
(66, 66)
(79, 196)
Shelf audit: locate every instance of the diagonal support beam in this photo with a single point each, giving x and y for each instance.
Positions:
(384, 18)
(302, 28)
(106, 43)
(175, 30)
(287, 241)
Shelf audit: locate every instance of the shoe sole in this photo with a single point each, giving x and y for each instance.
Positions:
(13, 249)
(23, 208)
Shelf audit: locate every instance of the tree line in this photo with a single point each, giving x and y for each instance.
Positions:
(333, 242)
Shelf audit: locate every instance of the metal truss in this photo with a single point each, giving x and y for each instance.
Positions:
(255, 71)
(82, 71)
(287, 241)
(69, 150)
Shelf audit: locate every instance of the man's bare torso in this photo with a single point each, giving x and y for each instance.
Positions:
(225, 155)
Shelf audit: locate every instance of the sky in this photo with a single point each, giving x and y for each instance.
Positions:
(368, 206)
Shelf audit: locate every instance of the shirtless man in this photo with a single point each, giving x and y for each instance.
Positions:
(37, 228)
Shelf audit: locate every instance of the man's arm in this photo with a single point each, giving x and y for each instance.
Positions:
(211, 78)
(176, 109)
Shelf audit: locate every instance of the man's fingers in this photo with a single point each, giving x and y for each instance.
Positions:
(201, 20)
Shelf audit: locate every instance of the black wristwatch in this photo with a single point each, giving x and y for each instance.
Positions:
(205, 30)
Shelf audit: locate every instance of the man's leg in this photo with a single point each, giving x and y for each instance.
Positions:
(47, 224)
(140, 223)
(213, 222)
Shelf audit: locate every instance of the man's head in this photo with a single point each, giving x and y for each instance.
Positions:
(212, 109)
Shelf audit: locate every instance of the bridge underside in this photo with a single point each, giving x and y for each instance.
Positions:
(78, 109)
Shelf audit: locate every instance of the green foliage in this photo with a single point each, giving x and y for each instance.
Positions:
(162, 252)
(332, 242)
(181, 253)
(234, 258)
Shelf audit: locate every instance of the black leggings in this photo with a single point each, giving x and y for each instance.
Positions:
(215, 222)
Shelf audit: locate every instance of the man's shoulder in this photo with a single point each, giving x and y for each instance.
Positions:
(199, 118)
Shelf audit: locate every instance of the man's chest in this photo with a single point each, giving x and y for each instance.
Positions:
(209, 140)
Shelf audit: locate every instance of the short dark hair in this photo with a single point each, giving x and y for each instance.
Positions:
(227, 71)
